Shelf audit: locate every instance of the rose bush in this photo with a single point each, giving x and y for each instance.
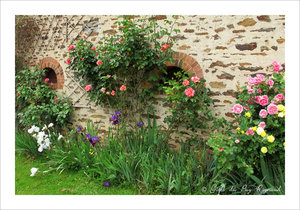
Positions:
(36, 101)
(260, 112)
(118, 68)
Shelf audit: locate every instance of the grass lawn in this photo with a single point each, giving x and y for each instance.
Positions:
(53, 183)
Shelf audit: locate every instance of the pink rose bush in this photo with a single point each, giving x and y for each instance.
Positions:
(260, 125)
(190, 92)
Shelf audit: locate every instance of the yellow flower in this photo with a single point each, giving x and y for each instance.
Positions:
(238, 128)
(254, 128)
(284, 144)
(243, 132)
(263, 134)
(264, 150)
(271, 139)
(253, 163)
(281, 107)
(248, 114)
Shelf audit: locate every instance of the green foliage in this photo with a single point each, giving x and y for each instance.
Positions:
(133, 57)
(193, 112)
(241, 150)
(37, 103)
(26, 144)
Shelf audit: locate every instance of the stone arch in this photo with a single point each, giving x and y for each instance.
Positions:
(187, 63)
(51, 63)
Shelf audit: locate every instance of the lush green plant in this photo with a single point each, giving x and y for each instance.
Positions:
(37, 103)
(189, 100)
(123, 70)
(26, 144)
(260, 113)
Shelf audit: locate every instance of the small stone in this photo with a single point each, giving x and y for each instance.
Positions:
(184, 47)
(228, 114)
(230, 26)
(218, 85)
(227, 102)
(238, 31)
(216, 37)
(242, 68)
(230, 93)
(189, 30)
(211, 93)
(247, 22)
(264, 18)
(201, 34)
(280, 41)
(207, 50)
(248, 46)
(221, 48)
(263, 48)
(225, 76)
(274, 48)
(219, 29)
(111, 31)
(98, 116)
(263, 30)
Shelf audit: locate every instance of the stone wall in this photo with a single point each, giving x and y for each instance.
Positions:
(228, 49)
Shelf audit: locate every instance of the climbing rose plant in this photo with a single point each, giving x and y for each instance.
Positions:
(123, 70)
(260, 113)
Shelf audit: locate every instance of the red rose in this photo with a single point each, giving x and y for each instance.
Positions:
(164, 47)
(99, 62)
(93, 48)
(88, 87)
(56, 100)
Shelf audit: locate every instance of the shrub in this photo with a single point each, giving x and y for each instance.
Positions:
(189, 102)
(124, 69)
(37, 103)
(260, 113)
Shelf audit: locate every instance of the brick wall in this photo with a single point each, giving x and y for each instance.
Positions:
(225, 50)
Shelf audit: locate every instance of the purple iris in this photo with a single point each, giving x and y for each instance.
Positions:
(87, 137)
(94, 140)
(140, 124)
(106, 184)
(117, 113)
(114, 119)
(79, 128)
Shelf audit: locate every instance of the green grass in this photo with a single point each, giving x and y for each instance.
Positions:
(53, 183)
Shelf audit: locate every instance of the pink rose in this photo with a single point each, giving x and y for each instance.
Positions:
(272, 109)
(263, 113)
(51, 84)
(71, 47)
(103, 90)
(164, 47)
(99, 62)
(257, 81)
(274, 102)
(186, 82)
(259, 90)
(189, 92)
(215, 131)
(246, 108)
(237, 141)
(279, 97)
(270, 82)
(93, 48)
(257, 99)
(118, 54)
(221, 149)
(251, 91)
(237, 109)
(112, 92)
(56, 100)
(264, 100)
(88, 87)
(276, 66)
(81, 58)
(68, 61)
(47, 80)
(260, 76)
(123, 88)
(195, 79)
(251, 81)
(262, 124)
(250, 131)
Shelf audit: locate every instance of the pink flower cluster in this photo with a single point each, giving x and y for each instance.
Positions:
(71, 47)
(88, 87)
(276, 66)
(190, 92)
(262, 100)
(262, 125)
(250, 131)
(186, 82)
(272, 109)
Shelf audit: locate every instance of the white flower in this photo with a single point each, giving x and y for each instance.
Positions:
(33, 171)
(280, 114)
(259, 130)
(44, 128)
(40, 149)
(36, 129)
(41, 134)
(47, 142)
(34, 135)
(50, 125)
(30, 130)
(59, 137)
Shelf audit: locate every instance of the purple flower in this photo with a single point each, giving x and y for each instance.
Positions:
(87, 137)
(114, 119)
(79, 128)
(106, 184)
(94, 140)
(140, 124)
(117, 113)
